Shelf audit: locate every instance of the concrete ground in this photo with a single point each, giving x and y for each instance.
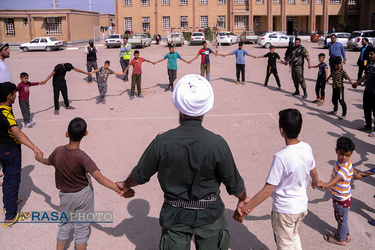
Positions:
(245, 115)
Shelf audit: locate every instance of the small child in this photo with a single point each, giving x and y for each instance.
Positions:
(240, 61)
(271, 66)
(76, 194)
(137, 73)
(24, 94)
(287, 182)
(321, 81)
(338, 76)
(341, 191)
(172, 66)
(102, 80)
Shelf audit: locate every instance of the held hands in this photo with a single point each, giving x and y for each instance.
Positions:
(38, 154)
(321, 184)
(238, 214)
(354, 85)
(125, 191)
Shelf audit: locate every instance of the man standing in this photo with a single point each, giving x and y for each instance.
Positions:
(191, 163)
(363, 57)
(336, 50)
(296, 61)
(125, 54)
(91, 51)
(4, 71)
(369, 93)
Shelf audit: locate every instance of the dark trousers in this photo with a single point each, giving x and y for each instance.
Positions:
(272, 70)
(57, 87)
(25, 109)
(320, 87)
(92, 65)
(240, 69)
(172, 74)
(338, 96)
(124, 64)
(10, 158)
(332, 62)
(136, 80)
(368, 107)
(361, 68)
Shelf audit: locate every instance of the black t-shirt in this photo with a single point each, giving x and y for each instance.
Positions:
(272, 57)
(370, 81)
(60, 72)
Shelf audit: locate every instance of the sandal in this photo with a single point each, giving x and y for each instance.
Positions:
(371, 222)
(56, 112)
(332, 239)
(70, 107)
(19, 218)
(372, 134)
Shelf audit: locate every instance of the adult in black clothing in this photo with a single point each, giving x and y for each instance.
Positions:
(91, 51)
(290, 48)
(59, 84)
(363, 58)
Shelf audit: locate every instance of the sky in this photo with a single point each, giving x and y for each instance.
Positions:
(101, 6)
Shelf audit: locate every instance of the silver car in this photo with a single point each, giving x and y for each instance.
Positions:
(114, 40)
(42, 43)
(355, 39)
(276, 38)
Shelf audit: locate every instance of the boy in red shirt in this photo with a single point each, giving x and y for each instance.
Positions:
(137, 73)
(24, 94)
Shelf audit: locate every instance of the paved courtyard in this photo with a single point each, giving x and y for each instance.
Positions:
(245, 115)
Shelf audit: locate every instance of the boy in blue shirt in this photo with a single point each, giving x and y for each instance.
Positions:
(240, 61)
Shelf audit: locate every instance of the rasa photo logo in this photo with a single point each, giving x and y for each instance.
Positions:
(71, 217)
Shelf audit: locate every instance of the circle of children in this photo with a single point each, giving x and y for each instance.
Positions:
(340, 179)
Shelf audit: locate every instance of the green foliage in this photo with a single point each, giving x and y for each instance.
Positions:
(208, 34)
(342, 26)
(187, 35)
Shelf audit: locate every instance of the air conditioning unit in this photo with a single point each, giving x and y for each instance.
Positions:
(257, 19)
(221, 19)
(184, 19)
(145, 19)
(50, 19)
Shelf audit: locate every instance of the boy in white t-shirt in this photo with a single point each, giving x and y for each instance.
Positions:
(287, 182)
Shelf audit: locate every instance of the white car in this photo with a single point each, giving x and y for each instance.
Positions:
(178, 39)
(276, 38)
(140, 40)
(42, 43)
(114, 40)
(197, 38)
(342, 37)
(227, 37)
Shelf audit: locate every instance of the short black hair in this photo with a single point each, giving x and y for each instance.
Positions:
(125, 37)
(371, 49)
(333, 35)
(6, 88)
(23, 74)
(107, 62)
(204, 42)
(322, 55)
(290, 120)
(345, 144)
(365, 39)
(136, 51)
(68, 66)
(77, 129)
(297, 39)
(170, 46)
(272, 47)
(240, 44)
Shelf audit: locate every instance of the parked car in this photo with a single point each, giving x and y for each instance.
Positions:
(197, 38)
(276, 38)
(248, 37)
(42, 43)
(140, 40)
(227, 37)
(355, 39)
(342, 37)
(178, 39)
(114, 40)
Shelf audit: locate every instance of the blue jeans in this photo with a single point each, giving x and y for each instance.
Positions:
(341, 215)
(10, 158)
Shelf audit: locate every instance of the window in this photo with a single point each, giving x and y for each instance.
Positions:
(352, 21)
(291, 1)
(352, 1)
(335, 1)
(273, 35)
(319, 1)
(221, 22)
(221, 2)
(9, 27)
(25, 21)
(305, 1)
(183, 2)
(260, 1)
(128, 23)
(145, 2)
(166, 2)
(241, 2)
(276, 1)
(53, 26)
(166, 23)
(128, 2)
(204, 21)
(146, 23)
(204, 2)
(241, 22)
(184, 22)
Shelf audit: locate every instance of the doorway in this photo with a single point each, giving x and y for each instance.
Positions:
(289, 27)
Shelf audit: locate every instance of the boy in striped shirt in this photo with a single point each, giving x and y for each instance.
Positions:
(341, 191)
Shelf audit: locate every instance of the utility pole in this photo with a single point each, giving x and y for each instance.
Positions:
(90, 4)
(54, 4)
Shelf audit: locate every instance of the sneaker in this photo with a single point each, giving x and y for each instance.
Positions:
(98, 100)
(316, 101)
(332, 113)
(19, 218)
(340, 117)
(321, 103)
(304, 95)
(131, 98)
(279, 88)
(237, 82)
(243, 83)
(140, 96)
(263, 85)
(167, 88)
(33, 123)
(296, 93)
(70, 107)
(29, 125)
(364, 128)
(172, 89)
(103, 102)
(56, 112)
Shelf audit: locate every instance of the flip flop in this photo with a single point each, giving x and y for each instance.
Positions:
(372, 134)
(371, 222)
(19, 218)
(332, 239)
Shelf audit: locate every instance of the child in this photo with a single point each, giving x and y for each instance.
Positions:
(11, 138)
(137, 73)
(321, 81)
(341, 191)
(240, 62)
(102, 80)
(287, 182)
(271, 67)
(23, 89)
(205, 62)
(172, 66)
(338, 76)
(71, 166)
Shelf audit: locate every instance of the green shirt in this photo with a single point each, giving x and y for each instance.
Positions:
(172, 60)
(191, 163)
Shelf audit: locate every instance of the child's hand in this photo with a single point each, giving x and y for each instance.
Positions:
(38, 154)
(321, 184)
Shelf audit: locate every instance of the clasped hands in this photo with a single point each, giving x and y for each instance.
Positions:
(239, 215)
(126, 192)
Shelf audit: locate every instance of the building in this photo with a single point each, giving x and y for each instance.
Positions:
(309, 16)
(72, 26)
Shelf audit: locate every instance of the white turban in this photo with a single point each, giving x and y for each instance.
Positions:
(193, 95)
